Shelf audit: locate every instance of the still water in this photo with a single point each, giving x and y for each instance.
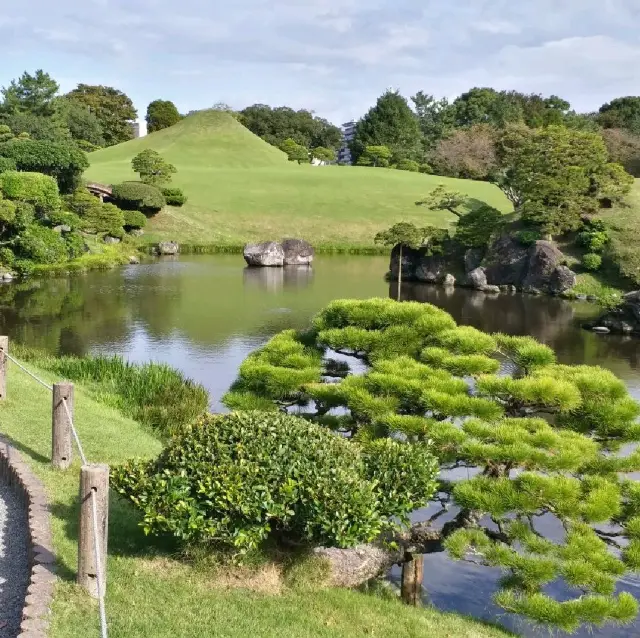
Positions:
(204, 314)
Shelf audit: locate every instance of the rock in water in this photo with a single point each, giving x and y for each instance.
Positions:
(297, 252)
(133, 260)
(268, 253)
(168, 248)
(449, 280)
(624, 319)
(478, 278)
(545, 270)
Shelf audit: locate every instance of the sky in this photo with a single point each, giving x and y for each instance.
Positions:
(334, 57)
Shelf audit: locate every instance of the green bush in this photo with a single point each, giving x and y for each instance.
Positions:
(592, 261)
(134, 219)
(64, 218)
(34, 188)
(174, 196)
(63, 161)
(87, 147)
(137, 196)
(7, 258)
(104, 218)
(241, 478)
(81, 201)
(408, 165)
(76, 246)
(528, 237)
(426, 169)
(41, 245)
(594, 239)
(25, 216)
(7, 164)
(476, 227)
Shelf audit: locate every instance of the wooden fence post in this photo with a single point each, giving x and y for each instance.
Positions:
(412, 574)
(61, 443)
(4, 350)
(93, 479)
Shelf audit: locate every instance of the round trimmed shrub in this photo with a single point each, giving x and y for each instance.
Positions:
(138, 196)
(134, 219)
(592, 261)
(104, 218)
(34, 188)
(174, 196)
(408, 165)
(7, 164)
(41, 245)
(59, 218)
(240, 478)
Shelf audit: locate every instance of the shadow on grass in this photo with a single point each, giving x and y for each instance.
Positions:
(126, 537)
(30, 452)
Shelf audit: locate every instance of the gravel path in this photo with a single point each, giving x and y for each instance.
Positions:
(14, 561)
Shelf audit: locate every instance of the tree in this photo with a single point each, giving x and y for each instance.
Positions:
(389, 123)
(623, 148)
(467, 153)
(81, 122)
(38, 127)
(538, 440)
(34, 94)
(295, 152)
(152, 167)
(443, 198)
(114, 110)
(161, 114)
(375, 156)
(324, 154)
(436, 118)
(554, 175)
(623, 112)
(6, 133)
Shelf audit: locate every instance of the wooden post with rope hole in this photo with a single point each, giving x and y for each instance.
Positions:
(4, 351)
(61, 443)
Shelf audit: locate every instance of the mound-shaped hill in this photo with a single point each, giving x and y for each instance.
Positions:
(207, 139)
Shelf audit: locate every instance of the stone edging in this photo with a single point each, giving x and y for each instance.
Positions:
(35, 613)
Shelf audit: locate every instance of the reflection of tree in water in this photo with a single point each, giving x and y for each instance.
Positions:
(275, 279)
(551, 320)
(62, 315)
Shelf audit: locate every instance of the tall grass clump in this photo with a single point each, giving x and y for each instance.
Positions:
(152, 393)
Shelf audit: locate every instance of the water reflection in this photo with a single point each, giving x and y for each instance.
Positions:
(275, 279)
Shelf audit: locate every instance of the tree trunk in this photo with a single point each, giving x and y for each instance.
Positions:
(400, 273)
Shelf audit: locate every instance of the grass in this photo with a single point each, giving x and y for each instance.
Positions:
(241, 189)
(150, 593)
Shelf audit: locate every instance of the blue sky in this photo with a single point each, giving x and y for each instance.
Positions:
(332, 56)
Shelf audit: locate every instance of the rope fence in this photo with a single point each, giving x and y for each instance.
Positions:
(94, 483)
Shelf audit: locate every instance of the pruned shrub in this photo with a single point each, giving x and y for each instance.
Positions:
(7, 164)
(174, 196)
(408, 165)
(41, 245)
(241, 478)
(76, 246)
(35, 188)
(64, 218)
(137, 196)
(528, 237)
(592, 261)
(134, 219)
(63, 161)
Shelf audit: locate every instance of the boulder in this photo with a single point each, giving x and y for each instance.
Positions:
(62, 228)
(491, 290)
(477, 278)
(136, 232)
(473, 259)
(505, 263)
(168, 248)
(430, 269)
(7, 276)
(134, 260)
(449, 280)
(297, 252)
(108, 239)
(545, 271)
(268, 253)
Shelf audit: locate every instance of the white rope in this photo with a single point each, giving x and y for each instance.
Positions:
(73, 431)
(40, 381)
(96, 547)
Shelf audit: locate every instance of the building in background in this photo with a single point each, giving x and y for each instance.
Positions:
(135, 128)
(348, 132)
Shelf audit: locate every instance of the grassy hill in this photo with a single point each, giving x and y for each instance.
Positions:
(241, 189)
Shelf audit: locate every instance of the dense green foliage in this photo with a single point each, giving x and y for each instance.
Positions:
(95, 216)
(30, 94)
(621, 113)
(545, 438)
(174, 196)
(592, 261)
(134, 219)
(389, 123)
(41, 191)
(152, 168)
(65, 162)
(375, 156)
(474, 230)
(7, 164)
(137, 196)
(275, 125)
(161, 114)
(239, 479)
(295, 152)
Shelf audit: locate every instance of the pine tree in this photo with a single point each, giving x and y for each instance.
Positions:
(390, 123)
(540, 440)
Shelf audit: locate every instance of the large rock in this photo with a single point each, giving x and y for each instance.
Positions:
(268, 253)
(297, 252)
(477, 278)
(546, 272)
(506, 262)
(624, 319)
(473, 259)
(168, 248)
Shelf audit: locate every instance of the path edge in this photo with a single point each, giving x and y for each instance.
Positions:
(31, 492)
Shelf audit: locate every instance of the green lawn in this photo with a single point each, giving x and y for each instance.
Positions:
(152, 594)
(241, 189)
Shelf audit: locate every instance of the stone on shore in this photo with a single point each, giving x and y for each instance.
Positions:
(268, 253)
(168, 248)
(297, 252)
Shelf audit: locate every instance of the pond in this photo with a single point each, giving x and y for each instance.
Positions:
(204, 314)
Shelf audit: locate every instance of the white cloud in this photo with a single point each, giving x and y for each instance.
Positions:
(497, 27)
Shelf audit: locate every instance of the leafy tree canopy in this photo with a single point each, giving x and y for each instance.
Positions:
(390, 123)
(161, 114)
(623, 112)
(113, 109)
(540, 442)
(152, 167)
(34, 94)
(295, 152)
(324, 154)
(375, 156)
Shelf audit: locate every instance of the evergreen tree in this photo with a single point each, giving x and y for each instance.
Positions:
(152, 167)
(389, 123)
(540, 441)
(161, 114)
(34, 94)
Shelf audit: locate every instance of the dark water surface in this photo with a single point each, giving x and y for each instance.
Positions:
(204, 314)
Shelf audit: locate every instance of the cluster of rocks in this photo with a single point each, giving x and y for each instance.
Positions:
(505, 266)
(288, 252)
(624, 319)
